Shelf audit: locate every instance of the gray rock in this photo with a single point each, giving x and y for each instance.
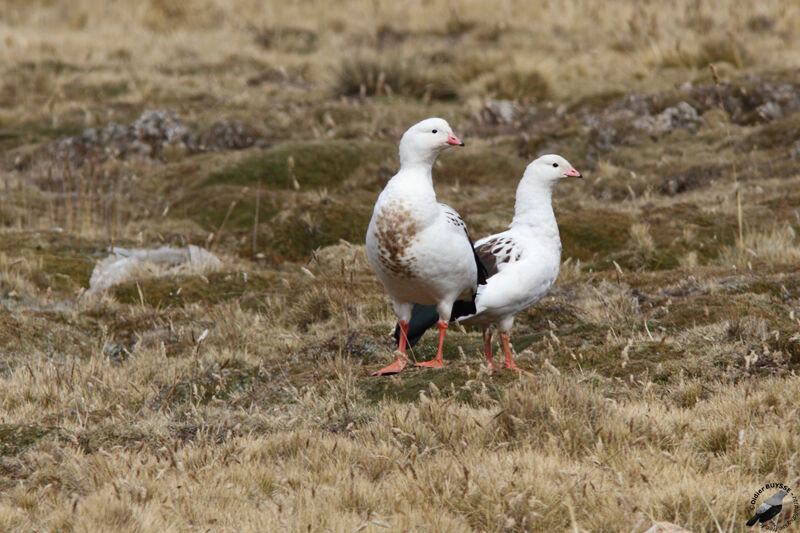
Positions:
(148, 137)
(229, 135)
(794, 151)
(500, 111)
(769, 111)
(682, 116)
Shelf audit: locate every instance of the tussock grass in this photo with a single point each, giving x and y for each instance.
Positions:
(390, 76)
(519, 85)
(776, 245)
(641, 244)
(710, 50)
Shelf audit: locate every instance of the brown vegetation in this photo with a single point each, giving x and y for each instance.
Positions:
(663, 366)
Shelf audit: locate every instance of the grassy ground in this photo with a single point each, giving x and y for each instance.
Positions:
(663, 366)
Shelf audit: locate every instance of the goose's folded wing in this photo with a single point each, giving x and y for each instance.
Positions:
(455, 220)
(497, 251)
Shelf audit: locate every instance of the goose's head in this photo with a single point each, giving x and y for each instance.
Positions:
(550, 169)
(423, 141)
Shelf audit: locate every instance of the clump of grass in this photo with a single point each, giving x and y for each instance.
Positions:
(688, 393)
(555, 411)
(607, 303)
(642, 245)
(721, 49)
(760, 23)
(286, 39)
(163, 15)
(456, 26)
(613, 183)
(711, 50)
(385, 76)
(717, 440)
(523, 85)
(777, 245)
(777, 135)
(689, 260)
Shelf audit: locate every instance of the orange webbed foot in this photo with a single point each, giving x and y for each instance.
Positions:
(395, 368)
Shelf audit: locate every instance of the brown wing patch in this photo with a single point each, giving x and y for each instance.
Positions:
(396, 231)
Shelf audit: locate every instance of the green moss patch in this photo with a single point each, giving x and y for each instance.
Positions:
(313, 164)
(38, 132)
(49, 241)
(212, 207)
(293, 238)
(544, 312)
(712, 233)
(101, 91)
(213, 288)
(451, 381)
(778, 134)
(227, 382)
(115, 434)
(64, 273)
(593, 235)
(16, 438)
(66, 261)
(705, 309)
(474, 168)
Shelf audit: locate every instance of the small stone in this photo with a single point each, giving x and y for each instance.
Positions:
(500, 111)
(794, 151)
(682, 116)
(769, 111)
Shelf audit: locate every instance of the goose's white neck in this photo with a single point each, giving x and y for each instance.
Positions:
(413, 184)
(413, 181)
(411, 157)
(416, 166)
(533, 209)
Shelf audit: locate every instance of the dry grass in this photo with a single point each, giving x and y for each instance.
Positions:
(663, 366)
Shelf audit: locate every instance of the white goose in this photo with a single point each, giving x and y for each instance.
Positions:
(522, 262)
(419, 248)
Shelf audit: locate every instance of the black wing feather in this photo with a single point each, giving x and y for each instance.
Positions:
(495, 252)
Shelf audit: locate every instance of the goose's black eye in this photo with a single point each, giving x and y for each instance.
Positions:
(555, 165)
(434, 131)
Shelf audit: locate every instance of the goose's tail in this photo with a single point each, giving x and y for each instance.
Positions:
(424, 317)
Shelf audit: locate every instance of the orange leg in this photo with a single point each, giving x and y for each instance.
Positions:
(487, 344)
(400, 361)
(437, 362)
(509, 364)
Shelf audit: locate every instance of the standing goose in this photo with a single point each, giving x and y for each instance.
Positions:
(419, 248)
(522, 262)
